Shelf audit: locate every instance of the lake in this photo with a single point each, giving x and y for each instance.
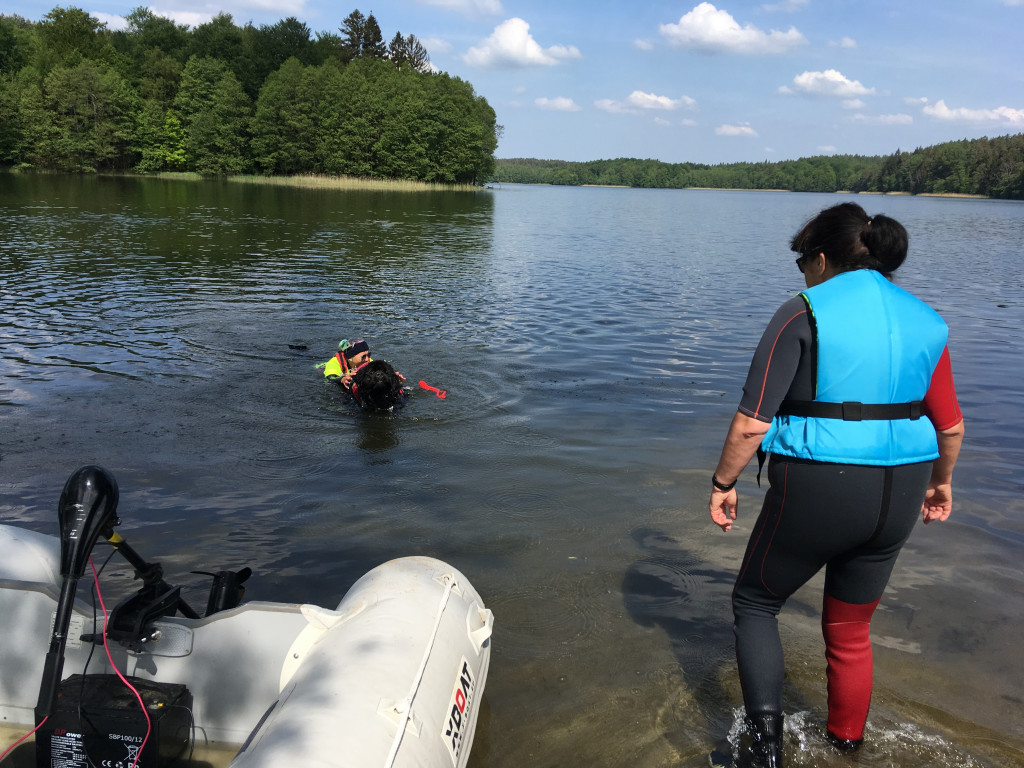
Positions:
(593, 344)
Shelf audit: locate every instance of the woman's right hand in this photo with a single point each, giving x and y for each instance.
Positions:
(938, 502)
(723, 507)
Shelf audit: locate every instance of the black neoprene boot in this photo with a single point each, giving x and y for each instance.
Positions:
(844, 745)
(766, 749)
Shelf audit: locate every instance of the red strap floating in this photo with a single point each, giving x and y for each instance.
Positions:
(441, 393)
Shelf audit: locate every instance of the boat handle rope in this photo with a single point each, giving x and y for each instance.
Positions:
(404, 707)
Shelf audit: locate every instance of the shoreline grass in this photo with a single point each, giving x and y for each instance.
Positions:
(313, 181)
(304, 181)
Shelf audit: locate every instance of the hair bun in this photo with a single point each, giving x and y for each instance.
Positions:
(886, 241)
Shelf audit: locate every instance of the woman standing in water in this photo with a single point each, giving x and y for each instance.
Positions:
(850, 393)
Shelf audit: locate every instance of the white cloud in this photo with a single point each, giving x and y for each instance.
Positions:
(916, 101)
(557, 104)
(639, 100)
(643, 45)
(844, 42)
(188, 18)
(112, 22)
(511, 45)
(610, 105)
(468, 7)
(661, 121)
(827, 149)
(853, 104)
(828, 83)
(650, 101)
(688, 122)
(1000, 115)
(436, 44)
(706, 28)
(897, 119)
(735, 130)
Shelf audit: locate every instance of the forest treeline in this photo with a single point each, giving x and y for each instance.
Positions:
(221, 99)
(990, 167)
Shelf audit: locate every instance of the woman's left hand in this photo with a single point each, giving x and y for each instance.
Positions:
(723, 507)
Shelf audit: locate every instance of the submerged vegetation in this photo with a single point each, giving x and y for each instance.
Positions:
(986, 167)
(221, 100)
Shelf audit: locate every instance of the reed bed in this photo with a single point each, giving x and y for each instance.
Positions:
(312, 181)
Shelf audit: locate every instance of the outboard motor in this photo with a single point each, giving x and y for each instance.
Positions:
(88, 506)
(91, 720)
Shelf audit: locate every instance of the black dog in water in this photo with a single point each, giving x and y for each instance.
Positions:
(377, 387)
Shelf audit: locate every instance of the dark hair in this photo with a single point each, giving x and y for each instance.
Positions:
(850, 239)
(376, 386)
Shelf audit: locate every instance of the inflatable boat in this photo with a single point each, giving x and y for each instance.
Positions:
(392, 676)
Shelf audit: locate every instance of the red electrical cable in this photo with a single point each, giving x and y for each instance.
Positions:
(106, 647)
(11, 748)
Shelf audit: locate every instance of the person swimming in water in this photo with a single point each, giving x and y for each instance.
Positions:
(346, 361)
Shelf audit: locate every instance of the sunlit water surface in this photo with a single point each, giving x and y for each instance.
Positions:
(593, 343)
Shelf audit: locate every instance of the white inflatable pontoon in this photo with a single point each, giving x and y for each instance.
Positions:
(393, 676)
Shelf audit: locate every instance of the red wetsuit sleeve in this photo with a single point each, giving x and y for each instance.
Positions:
(940, 403)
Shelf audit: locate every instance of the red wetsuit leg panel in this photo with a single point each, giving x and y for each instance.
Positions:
(845, 627)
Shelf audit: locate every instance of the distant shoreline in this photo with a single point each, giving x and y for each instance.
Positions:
(747, 189)
(357, 183)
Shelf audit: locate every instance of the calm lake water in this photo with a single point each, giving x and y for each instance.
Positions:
(593, 343)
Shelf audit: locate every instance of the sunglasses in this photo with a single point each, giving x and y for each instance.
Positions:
(802, 259)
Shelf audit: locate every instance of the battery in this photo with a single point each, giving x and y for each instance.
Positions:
(97, 721)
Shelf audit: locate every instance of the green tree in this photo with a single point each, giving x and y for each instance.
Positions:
(159, 75)
(352, 30)
(81, 120)
(409, 50)
(401, 146)
(172, 147)
(15, 44)
(270, 46)
(323, 88)
(148, 31)
(351, 117)
(283, 127)
(373, 46)
(214, 112)
(149, 135)
(462, 134)
(12, 87)
(70, 35)
(327, 47)
(220, 39)
(159, 140)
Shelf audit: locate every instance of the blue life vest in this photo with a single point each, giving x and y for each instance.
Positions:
(876, 344)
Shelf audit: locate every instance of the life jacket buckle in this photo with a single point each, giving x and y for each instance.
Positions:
(852, 411)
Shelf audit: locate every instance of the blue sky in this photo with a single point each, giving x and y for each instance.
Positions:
(693, 81)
